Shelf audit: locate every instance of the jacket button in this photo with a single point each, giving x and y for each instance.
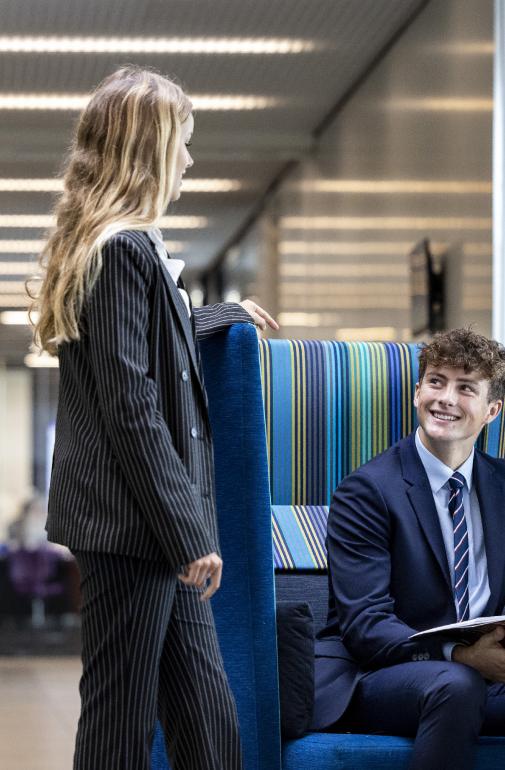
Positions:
(194, 432)
(414, 657)
(184, 375)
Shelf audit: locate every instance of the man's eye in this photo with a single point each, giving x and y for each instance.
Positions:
(434, 380)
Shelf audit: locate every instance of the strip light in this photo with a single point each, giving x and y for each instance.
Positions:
(386, 223)
(17, 268)
(443, 104)
(156, 45)
(21, 247)
(377, 186)
(17, 318)
(56, 185)
(77, 102)
(47, 220)
(13, 300)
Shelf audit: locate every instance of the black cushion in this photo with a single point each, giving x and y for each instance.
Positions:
(295, 645)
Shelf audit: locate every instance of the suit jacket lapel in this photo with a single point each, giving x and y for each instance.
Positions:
(421, 498)
(180, 311)
(491, 493)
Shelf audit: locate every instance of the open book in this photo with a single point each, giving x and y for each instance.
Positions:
(465, 631)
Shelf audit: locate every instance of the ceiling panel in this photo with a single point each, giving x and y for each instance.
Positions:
(251, 146)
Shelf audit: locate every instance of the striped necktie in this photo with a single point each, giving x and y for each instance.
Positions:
(457, 484)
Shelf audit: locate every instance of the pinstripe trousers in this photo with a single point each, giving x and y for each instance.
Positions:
(149, 648)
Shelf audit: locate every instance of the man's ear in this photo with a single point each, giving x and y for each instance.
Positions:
(495, 408)
(416, 394)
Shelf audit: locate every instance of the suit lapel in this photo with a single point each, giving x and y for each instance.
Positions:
(491, 494)
(180, 312)
(421, 498)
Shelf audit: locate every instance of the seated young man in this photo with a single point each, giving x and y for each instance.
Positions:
(416, 538)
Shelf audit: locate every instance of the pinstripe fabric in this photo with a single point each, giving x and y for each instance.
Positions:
(332, 406)
(151, 643)
(133, 465)
(132, 491)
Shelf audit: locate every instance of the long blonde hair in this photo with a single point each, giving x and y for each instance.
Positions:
(120, 174)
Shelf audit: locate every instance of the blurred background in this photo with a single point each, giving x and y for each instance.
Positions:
(343, 177)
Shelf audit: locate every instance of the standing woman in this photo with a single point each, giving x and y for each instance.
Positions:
(132, 490)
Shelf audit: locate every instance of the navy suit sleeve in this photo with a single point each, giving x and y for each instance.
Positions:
(359, 536)
(211, 319)
(117, 322)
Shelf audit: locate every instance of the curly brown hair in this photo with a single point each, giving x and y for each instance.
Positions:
(465, 349)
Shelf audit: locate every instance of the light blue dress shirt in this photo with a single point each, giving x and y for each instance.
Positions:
(438, 476)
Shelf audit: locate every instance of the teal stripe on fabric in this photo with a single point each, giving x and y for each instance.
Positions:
(331, 421)
(366, 410)
(282, 440)
(288, 525)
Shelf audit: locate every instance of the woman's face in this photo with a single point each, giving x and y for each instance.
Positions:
(184, 159)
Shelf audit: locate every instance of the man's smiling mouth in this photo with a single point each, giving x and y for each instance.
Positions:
(443, 416)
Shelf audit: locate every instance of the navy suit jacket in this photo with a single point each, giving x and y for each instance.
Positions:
(388, 570)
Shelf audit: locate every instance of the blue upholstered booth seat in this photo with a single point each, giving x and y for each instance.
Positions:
(245, 606)
(324, 751)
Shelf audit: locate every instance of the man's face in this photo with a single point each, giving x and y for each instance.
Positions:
(452, 405)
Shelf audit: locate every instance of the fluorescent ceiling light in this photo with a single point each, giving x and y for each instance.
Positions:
(156, 45)
(367, 334)
(345, 247)
(470, 48)
(31, 185)
(13, 300)
(56, 185)
(77, 102)
(315, 270)
(21, 246)
(337, 288)
(386, 223)
(349, 302)
(12, 287)
(211, 185)
(42, 361)
(17, 318)
(376, 186)
(47, 220)
(17, 268)
(442, 104)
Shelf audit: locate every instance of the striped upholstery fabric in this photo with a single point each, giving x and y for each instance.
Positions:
(299, 532)
(329, 408)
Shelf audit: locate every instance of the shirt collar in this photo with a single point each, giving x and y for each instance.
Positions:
(174, 266)
(438, 473)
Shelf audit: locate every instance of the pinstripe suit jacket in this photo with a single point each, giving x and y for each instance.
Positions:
(133, 464)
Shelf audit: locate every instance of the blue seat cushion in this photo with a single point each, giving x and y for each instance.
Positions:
(330, 751)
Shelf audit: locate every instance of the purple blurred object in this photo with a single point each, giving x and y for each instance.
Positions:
(33, 573)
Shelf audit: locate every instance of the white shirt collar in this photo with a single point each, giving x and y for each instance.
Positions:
(174, 266)
(438, 472)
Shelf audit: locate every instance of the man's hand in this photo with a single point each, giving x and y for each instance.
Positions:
(259, 316)
(198, 572)
(487, 655)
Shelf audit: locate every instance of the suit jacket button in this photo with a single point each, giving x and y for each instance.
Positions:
(414, 657)
(184, 375)
(426, 655)
(194, 432)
